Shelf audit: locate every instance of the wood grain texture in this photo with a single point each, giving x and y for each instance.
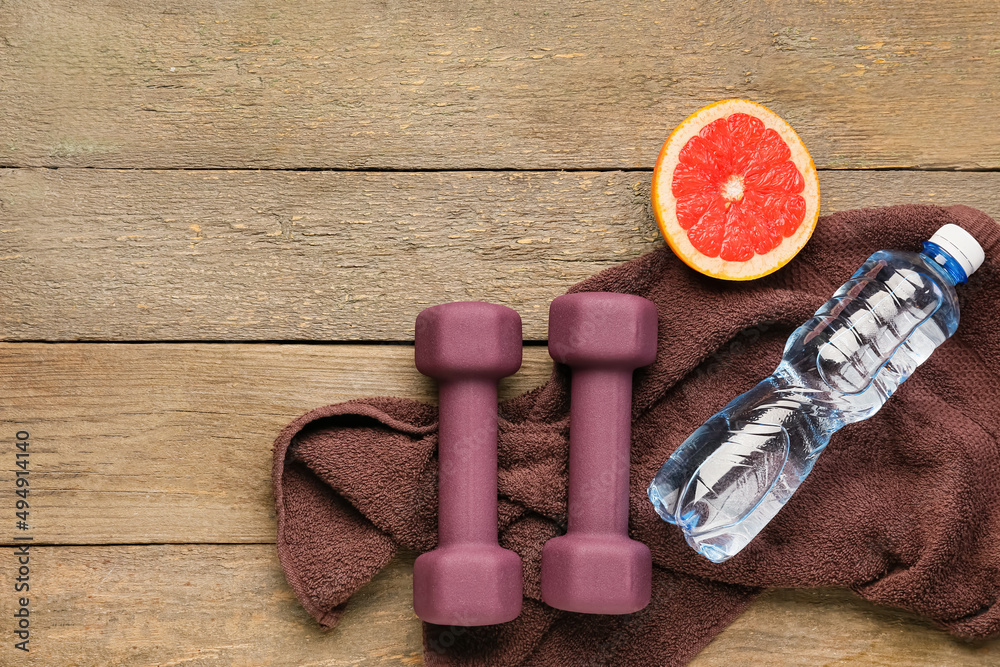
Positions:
(172, 442)
(216, 255)
(229, 604)
(487, 84)
(137, 445)
(831, 627)
(199, 605)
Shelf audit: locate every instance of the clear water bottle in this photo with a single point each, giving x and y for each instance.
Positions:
(733, 474)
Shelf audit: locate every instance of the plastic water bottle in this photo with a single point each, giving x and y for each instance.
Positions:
(733, 474)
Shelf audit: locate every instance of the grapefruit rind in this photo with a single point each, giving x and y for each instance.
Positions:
(665, 204)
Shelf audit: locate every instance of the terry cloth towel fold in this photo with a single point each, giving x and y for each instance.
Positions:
(903, 508)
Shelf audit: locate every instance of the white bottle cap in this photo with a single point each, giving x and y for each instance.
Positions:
(961, 245)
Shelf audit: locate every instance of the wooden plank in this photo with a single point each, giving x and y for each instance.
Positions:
(172, 442)
(229, 604)
(197, 605)
(215, 255)
(238, 83)
(835, 627)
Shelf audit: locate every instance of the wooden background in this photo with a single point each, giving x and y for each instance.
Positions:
(194, 194)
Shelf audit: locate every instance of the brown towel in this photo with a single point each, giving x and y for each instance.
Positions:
(903, 508)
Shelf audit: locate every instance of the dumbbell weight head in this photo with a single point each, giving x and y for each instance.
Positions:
(589, 329)
(596, 574)
(467, 585)
(467, 339)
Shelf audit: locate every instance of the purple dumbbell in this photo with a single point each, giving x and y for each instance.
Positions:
(595, 567)
(468, 579)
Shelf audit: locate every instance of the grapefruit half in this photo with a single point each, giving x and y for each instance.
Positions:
(735, 191)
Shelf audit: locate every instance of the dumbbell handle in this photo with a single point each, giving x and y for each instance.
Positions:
(467, 461)
(600, 433)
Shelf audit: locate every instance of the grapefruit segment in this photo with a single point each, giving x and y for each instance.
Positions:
(735, 192)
